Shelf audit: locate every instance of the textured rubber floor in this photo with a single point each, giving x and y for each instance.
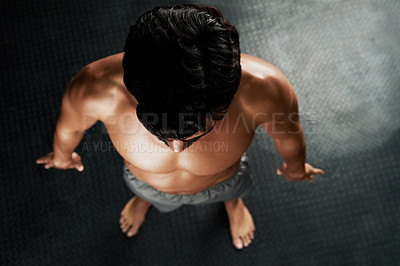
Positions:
(343, 59)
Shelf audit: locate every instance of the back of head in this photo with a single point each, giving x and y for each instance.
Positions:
(182, 64)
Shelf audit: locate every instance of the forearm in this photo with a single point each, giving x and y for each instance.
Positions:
(293, 150)
(65, 142)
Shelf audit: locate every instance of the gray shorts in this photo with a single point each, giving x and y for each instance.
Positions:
(235, 187)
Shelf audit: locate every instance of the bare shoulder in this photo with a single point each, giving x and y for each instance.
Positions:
(98, 90)
(264, 89)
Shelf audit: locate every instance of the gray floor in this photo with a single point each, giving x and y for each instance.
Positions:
(343, 60)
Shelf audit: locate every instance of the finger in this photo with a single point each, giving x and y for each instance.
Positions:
(317, 171)
(79, 167)
(311, 178)
(49, 164)
(41, 160)
(78, 162)
(281, 169)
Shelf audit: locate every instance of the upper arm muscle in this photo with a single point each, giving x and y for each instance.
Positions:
(78, 111)
(283, 118)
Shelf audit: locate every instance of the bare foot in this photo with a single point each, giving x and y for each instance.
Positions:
(132, 216)
(241, 223)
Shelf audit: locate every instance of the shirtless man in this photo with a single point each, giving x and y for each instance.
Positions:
(180, 88)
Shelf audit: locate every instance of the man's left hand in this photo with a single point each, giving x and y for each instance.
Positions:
(308, 174)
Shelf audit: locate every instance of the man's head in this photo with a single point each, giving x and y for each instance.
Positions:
(182, 64)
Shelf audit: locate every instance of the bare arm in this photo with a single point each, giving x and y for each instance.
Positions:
(283, 125)
(285, 128)
(76, 116)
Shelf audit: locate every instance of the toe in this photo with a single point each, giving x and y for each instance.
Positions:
(238, 243)
(133, 231)
(121, 220)
(246, 240)
(125, 227)
(251, 235)
(249, 239)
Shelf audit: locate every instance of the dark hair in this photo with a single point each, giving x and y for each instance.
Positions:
(182, 61)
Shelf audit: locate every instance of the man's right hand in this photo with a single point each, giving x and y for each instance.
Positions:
(74, 162)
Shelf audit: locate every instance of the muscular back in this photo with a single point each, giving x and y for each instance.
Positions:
(98, 93)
